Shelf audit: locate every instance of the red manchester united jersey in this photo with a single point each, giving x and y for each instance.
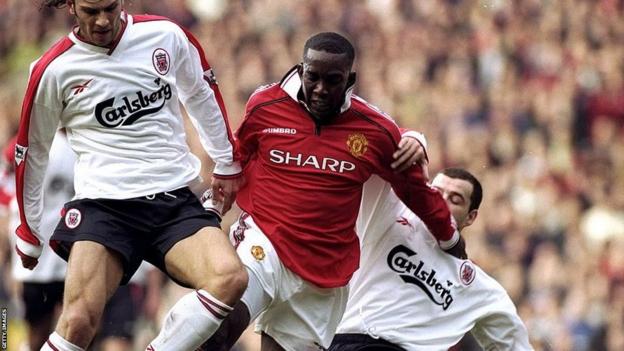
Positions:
(305, 178)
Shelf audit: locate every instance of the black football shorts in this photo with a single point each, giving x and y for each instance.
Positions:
(141, 228)
(361, 342)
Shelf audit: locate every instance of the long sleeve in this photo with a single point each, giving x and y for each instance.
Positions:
(39, 121)
(199, 93)
(502, 329)
(377, 210)
(426, 202)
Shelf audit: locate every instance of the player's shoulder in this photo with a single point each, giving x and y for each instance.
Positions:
(157, 23)
(43, 63)
(266, 94)
(146, 18)
(374, 116)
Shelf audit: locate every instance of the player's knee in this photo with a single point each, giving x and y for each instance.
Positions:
(80, 319)
(235, 280)
(230, 279)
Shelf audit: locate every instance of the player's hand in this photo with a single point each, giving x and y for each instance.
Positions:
(224, 191)
(459, 250)
(27, 261)
(409, 153)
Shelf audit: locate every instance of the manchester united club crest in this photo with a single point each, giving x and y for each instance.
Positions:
(257, 252)
(73, 217)
(467, 273)
(357, 144)
(161, 61)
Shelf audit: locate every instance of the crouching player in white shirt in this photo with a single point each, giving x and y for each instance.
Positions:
(410, 295)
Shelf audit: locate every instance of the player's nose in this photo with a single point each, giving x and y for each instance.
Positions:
(102, 21)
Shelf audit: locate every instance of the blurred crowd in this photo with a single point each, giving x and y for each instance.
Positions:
(528, 95)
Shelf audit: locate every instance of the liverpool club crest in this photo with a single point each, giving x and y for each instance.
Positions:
(161, 61)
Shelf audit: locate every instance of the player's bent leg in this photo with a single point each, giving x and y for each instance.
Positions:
(229, 331)
(207, 262)
(254, 301)
(93, 274)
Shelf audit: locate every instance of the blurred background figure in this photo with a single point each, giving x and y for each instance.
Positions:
(529, 94)
(40, 291)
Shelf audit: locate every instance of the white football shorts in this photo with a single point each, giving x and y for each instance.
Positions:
(299, 315)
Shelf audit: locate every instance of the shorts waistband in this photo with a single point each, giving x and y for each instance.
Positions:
(173, 194)
(363, 339)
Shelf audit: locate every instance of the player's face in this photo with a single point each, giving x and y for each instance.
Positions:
(456, 193)
(325, 77)
(99, 21)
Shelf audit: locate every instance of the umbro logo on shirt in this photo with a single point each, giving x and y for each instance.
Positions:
(132, 107)
(279, 131)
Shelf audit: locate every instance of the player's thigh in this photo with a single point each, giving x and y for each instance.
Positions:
(306, 319)
(93, 275)
(200, 258)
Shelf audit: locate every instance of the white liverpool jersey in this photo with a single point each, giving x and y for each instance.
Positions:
(121, 110)
(58, 188)
(411, 293)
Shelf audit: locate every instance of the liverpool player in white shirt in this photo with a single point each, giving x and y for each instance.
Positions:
(410, 295)
(115, 83)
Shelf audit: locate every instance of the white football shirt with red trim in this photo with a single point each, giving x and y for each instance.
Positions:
(411, 293)
(120, 107)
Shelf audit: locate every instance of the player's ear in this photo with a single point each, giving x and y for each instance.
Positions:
(72, 7)
(472, 215)
(351, 79)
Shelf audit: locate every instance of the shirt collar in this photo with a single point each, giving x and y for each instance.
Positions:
(292, 85)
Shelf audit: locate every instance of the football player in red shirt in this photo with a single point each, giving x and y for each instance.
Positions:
(309, 145)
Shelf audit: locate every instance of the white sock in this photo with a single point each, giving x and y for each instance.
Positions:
(57, 343)
(190, 322)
